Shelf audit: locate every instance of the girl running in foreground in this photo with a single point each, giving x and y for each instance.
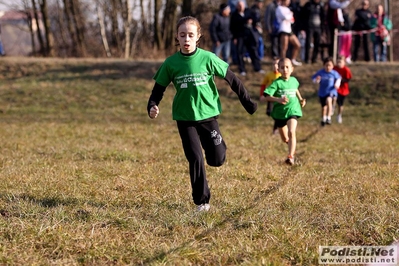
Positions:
(196, 105)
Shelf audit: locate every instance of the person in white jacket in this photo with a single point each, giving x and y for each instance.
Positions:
(285, 18)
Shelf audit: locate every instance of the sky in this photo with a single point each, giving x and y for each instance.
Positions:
(2, 4)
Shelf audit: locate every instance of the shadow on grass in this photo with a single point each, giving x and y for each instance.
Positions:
(229, 218)
(310, 135)
(86, 70)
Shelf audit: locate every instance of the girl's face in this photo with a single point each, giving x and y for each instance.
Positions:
(285, 2)
(285, 68)
(380, 10)
(188, 36)
(341, 63)
(328, 66)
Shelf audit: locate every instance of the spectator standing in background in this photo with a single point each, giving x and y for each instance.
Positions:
(295, 7)
(237, 28)
(380, 37)
(233, 4)
(271, 27)
(251, 41)
(285, 18)
(363, 17)
(345, 37)
(220, 32)
(333, 20)
(233, 7)
(243, 38)
(2, 53)
(257, 25)
(312, 15)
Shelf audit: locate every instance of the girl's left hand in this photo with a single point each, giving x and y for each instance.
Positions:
(303, 102)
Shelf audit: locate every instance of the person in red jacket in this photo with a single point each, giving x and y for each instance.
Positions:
(343, 89)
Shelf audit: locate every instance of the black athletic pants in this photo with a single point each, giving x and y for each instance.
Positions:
(315, 35)
(364, 38)
(196, 136)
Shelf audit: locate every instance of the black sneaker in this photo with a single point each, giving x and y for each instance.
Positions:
(322, 123)
(328, 121)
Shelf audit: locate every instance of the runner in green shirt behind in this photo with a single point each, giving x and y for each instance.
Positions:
(288, 104)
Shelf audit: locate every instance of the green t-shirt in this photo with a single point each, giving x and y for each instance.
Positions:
(288, 88)
(197, 97)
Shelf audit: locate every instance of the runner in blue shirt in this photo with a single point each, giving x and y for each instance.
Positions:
(329, 81)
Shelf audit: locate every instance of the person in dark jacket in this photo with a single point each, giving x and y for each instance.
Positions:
(362, 23)
(255, 13)
(238, 24)
(220, 32)
(312, 17)
(271, 27)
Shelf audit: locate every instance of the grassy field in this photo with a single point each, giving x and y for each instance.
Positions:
(88, 179)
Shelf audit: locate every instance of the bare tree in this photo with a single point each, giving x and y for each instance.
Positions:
(127, 20)
(113, 14)
(38, 28)
(47, 29)
(79, 23)
(71, 28)
(186, 8)
(168, 24)
(159, 44)
(101, 23)
(32, 34)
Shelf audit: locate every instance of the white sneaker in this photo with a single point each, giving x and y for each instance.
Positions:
(296, 63)
(203, 207)
(339, 119)
(243, 74)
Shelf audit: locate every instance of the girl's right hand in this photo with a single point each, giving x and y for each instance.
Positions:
(154, 111)
(284, 99)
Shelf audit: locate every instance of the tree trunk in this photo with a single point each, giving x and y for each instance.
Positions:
(127, 19)
(186, 8)
(157, 31)
(68, 15)
(102, 30)
(61, 41)
(116, 41)
(39, 33)
(170, 16)
(79, 25)
(32, 34)
(144, 21)
(47, 29)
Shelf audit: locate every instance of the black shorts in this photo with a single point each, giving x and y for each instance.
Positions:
(323, 100)
(283, 122)
(340, 100)
(284, 34)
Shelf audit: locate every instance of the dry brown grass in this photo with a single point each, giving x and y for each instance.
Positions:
(88, 179)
